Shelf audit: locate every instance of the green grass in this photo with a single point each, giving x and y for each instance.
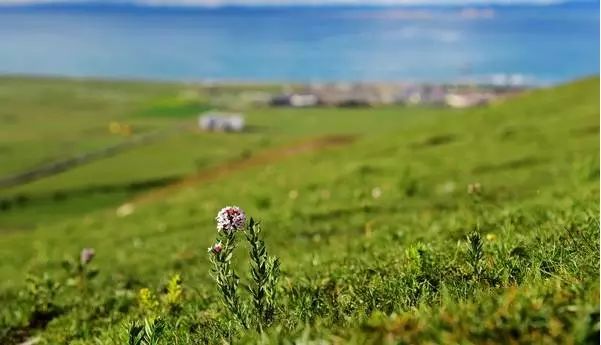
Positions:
(46, 119)
(59, 119)
(372, 236)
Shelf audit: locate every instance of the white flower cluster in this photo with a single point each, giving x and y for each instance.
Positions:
(230, 219)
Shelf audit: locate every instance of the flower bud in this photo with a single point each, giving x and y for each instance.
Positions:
(216, 248)
(87, 254)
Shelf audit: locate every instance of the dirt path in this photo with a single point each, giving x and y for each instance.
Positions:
(261, 158)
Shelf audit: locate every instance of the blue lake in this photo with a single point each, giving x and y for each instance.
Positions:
(544, 44)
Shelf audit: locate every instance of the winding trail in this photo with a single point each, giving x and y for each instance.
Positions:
(261, 158)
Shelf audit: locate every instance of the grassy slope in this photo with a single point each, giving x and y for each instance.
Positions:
(357, 268)
(44, 119)
(48, 119)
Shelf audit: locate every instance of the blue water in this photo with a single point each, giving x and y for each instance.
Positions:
(543, 44)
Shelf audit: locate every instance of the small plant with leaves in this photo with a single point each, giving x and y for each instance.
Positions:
(149, 332)
(41, 291)
(148, 302)
(79, 270)
(475, 254)
(264, 270)
(174, 294)
(229, 221)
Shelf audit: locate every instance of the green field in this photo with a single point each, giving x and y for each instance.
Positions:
(48, 119)
(372, 234)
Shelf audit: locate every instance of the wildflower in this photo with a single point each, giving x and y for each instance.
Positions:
(216, 248)
(293, 194)
(174, 291)
(491, 237)
(114, 127)
(147, 300)
(125, 210)
(230, 219)
(376, 193)
(474, 188)
(87, 254)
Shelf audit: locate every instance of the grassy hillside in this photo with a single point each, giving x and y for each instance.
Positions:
(45, 120)
(434, 226)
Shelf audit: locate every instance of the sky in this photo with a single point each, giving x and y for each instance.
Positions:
(216, 3)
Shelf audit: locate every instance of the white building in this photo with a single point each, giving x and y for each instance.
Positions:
(456, 100)
(221, 122)
(303, 100)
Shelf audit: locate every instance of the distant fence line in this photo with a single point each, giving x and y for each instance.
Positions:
(60, 166)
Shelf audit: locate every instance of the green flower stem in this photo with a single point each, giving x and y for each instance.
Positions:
(227, 280)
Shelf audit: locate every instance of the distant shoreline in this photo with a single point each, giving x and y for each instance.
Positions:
(258, 82)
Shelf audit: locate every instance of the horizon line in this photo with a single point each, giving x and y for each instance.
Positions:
(285, 4)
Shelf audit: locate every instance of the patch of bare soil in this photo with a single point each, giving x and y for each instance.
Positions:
(262, 158)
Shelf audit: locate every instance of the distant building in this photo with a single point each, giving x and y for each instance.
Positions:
(304, 100)
(344, 95)
(435, 95)
(456, 100)
(374, 94)
(299, 100)
(221, 122)
(412, 95)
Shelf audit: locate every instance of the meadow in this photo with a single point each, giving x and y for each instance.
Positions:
(49, 119)
(392, 225)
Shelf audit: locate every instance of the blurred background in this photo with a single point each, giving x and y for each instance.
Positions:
(104, 101)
